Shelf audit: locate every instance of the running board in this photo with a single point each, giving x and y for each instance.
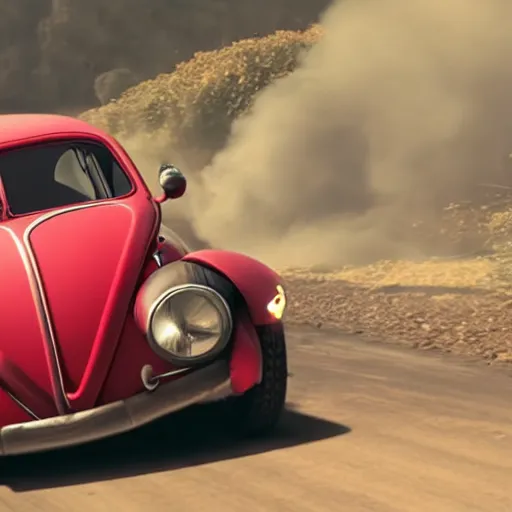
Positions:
(118, 417)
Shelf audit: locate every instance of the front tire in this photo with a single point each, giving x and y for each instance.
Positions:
(258, 411)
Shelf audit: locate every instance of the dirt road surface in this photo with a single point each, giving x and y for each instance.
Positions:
(369, 428)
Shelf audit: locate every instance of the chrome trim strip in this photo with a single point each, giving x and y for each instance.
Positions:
(151, 381)
(18, 402)
(157, 256)
(60, 398)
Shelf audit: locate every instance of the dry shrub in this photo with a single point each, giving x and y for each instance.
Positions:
(196, 104)
(475, 272)
(191, 111)
(500, 223)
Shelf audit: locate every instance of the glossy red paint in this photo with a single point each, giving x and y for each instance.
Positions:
(21, 129)
(132, 353)
(22, 337)
(18, 130)
(255, 281)
(246, 358)
(73, 275)
(16, 381)
(69, 276)
(100, 294)
(87, 303)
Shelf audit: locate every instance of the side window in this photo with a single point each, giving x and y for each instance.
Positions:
(71, 172)
(45, 176)
(52, 175)
(120, 183)
(114, 177)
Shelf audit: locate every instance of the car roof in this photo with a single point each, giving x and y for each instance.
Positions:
(18, 127)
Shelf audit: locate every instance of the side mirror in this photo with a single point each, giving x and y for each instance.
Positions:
(172, 181)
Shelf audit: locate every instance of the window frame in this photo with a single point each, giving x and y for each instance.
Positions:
(67, 144)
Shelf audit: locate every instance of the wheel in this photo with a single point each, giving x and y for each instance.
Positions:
(257, 411)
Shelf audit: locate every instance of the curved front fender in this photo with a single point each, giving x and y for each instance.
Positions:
(257, 283)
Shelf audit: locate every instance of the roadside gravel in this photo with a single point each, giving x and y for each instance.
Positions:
(445, 313)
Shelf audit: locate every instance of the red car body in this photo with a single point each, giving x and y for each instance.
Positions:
(71, 347)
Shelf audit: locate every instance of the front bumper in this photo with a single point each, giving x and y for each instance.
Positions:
(107, 420)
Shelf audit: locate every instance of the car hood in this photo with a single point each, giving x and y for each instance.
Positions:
(86, 261)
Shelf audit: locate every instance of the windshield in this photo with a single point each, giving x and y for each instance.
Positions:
(43, 177)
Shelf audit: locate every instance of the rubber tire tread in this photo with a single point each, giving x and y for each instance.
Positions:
(258, 411)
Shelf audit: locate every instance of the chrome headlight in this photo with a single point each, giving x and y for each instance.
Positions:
(189, 323)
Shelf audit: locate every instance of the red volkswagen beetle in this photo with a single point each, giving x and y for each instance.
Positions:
(106, 321)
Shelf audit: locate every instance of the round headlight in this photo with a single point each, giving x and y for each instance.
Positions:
(190, 323)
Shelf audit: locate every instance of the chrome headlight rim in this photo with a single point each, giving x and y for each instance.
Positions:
(225, 315)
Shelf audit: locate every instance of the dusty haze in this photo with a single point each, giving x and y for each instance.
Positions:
(51, 51)
(403, 106)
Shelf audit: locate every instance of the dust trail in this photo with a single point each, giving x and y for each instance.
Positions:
(403, 105)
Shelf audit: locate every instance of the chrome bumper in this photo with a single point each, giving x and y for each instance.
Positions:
(107, 420)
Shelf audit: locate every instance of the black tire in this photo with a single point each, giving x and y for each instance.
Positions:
(258, 411)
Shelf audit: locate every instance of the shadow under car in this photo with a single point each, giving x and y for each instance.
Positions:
(189, 438)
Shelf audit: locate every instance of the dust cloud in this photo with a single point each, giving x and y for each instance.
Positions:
(403, 106)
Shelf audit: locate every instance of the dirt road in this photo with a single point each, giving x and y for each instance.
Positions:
(371, 428)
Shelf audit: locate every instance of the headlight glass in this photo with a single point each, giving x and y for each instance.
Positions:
(191, 322)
